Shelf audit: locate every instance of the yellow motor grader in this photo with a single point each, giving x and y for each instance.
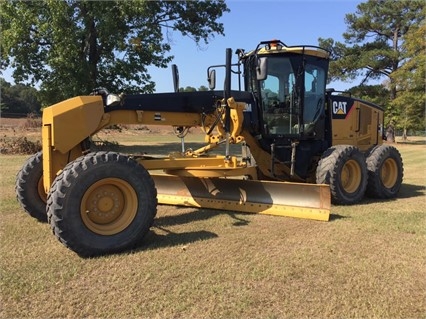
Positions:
(303, 148)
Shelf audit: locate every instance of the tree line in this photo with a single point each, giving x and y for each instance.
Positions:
(101, 44)
(19, 99)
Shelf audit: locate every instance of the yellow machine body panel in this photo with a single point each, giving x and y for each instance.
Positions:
(151, 118)
(355, 122)
(65, 125)
(74, 119)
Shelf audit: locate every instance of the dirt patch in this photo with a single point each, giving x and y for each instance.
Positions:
(20, 145)
(20, 135)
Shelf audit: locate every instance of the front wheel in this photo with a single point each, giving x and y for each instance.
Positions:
(29, 188)
(101, 203)
(343, 168)
(385, 172)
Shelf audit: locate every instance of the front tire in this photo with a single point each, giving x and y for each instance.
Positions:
(102, 203)
(343, 168)
(385, 172)
(29, 188)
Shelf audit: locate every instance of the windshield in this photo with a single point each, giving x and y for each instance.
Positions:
(292, 82)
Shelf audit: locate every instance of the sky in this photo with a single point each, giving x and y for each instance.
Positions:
(248, 23)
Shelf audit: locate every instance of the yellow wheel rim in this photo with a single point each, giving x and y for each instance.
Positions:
(109, 206)
(389, 173)
(40, 190)
(351, 176)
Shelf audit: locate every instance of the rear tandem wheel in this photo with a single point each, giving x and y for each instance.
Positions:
(102, 203)
(343, 167)
(385, 172)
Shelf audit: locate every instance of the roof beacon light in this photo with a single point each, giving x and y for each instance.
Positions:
(274, 45)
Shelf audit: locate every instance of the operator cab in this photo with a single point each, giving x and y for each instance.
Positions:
(289, 85)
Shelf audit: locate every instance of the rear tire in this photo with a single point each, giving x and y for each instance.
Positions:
(385, 172)
(29, 188)
(102, 203)
(343, 167)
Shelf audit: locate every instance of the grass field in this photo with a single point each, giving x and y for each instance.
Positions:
(367, 262)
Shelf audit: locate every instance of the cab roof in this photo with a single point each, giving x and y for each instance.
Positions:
(278, 47)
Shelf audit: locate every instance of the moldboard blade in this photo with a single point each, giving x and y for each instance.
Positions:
(311, 201)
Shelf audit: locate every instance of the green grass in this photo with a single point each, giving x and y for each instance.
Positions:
(367, 262)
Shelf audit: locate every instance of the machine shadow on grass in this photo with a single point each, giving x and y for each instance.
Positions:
(198, 215)
(168, 238)
(410, 190)
(334, 217)
(406, 191)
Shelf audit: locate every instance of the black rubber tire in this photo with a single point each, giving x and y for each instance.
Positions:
(343, 167)
(29, 188)
(124, 188)
(385, 172)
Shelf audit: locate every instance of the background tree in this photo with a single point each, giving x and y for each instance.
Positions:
(193, 89)
(4, 85)
(377, 94)
(187, 89)
(19, 98)
(374, 43)
(71, 47)
(409, 104)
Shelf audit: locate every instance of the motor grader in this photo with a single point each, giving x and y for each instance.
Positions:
(302, 148)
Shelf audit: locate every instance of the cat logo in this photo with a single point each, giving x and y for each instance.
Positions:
(339, 108)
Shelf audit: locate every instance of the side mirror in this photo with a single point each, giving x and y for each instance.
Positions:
(212, 79)
(175, 74)
(261, 68)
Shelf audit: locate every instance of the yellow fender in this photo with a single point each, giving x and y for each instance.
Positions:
(65, 126)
